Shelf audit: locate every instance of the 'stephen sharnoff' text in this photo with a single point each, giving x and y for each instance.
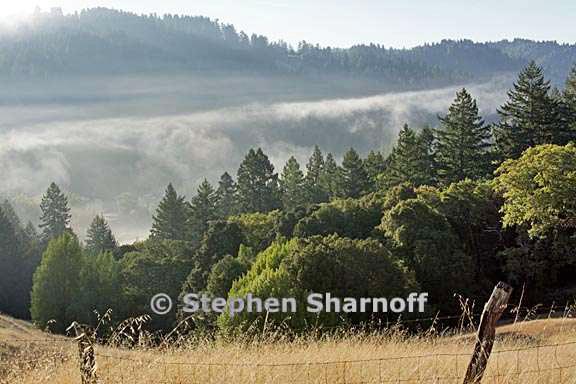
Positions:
(315, 303)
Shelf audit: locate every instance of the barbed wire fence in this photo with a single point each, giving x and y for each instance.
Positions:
(538, 363)
(554, 363)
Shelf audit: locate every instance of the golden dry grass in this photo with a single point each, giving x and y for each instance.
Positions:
(529, 352)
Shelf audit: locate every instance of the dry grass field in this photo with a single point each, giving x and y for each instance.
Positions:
(538, 351)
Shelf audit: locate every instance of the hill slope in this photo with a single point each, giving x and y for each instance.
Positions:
(100, 40)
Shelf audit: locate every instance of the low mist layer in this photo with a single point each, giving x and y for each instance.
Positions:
(115, 155)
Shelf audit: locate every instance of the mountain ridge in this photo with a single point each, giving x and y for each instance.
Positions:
(106, 41)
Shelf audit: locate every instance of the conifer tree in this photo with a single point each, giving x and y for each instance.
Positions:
(19, 257)
(171, 219)
(570, 101)
(203, 209)
(99, 237)
(570, 88)
(529, 117)
(55, 219)
(292, 185)
(315, 191)
(411, 160)
(355, 180)
(9, 255)
(226, 197)
(257, 183)
(331, 178)
(462, 142)
(375, 164)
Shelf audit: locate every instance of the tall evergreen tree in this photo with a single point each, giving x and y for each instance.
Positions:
(411, 160)
(257, 183)
(355, 180)
(226, 197)
(203, 209)
(315, 191)
(10, 253)
(99, 237)
(570, 88)
(529, 117)
(462, 141)
(292, 185)
(171, 219)
(375, 164)
(331, 177)
(55, 219)
(20, 252)
(570, 101)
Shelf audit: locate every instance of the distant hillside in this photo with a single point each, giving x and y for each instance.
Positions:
(104, 41)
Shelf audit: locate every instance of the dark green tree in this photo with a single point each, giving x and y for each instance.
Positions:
(570, 101)
(55, 218)
(158, 266)
(226, 197)
(171, 219)
(331, 177)
(315, 191)
(223, 275)
(411, 160)
(570, 88)
(20, 253)
(292, 185)
(222, 238)
(99, 237)
(57, 284)
(203, 209)
(100, 288)
(462, 142)
(257, 183)
(375, 164)
(530, 116)
(355, 179)
(10, 253)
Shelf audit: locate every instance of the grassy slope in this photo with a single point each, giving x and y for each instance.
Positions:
(57, 363)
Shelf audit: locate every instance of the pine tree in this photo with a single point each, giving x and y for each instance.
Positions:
(315, 191)
(355, 180)
(375, 164)
(529, 117)
(9, 260)
(462, 141)
(99, 237)
(55, 219)
(257, 183)
(331, 178)
(19, 258)
(203, 209)
(292, 185)
(570, 102)
(570, 89)
(411, 160)
(171, 219)
(56, 284)
(226, 197)
(428, 167)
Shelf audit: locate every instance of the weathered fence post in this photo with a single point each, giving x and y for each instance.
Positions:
(486, 332)
(85, 340)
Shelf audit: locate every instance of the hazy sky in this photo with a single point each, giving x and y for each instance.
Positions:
(401, 23)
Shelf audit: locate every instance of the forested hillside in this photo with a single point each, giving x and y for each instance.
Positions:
(450, 210)
(104, 41)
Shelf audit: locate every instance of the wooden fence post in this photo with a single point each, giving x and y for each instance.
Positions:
(486, 332)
